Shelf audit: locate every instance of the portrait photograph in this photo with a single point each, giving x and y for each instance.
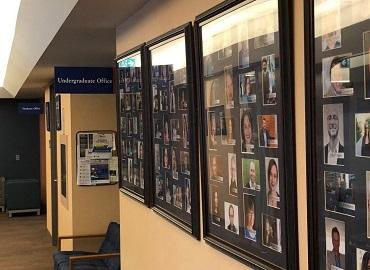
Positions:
(332, 40)
(157, 158)
(172, 98)
(134, 125)
(129, 148)
(227, 131)
(366, 52)
(123, 124)
(243, 54)
(335, 244)
(127, 102)
(177, 196)
(136, 177)
(139, 101)
(133, 102)
(175, 174)
(158, 128)
(251, 174)
(362, 146)
(247, 87)
(247, 131)
(212, 129)
(166, 131)
(155, 98)
(187, 196)
(175, 130)
(229, 87)
(182, 99)
(250, 229)
(368, 202)
(168, 190)
(213, 88)
(184, 160)
(272, 182)
(130, 124)
(268, 79)
(271, 232)
(233, 181)
(231, 217)
(333, 134)
(165, 158)
(362, 259)
(163, 98)
(185, 130)
(215, 205)
(267, 131)
(140, 150)
(208, 66)
(215, 168)
(339, 195)
(336, 76)
(124, 169)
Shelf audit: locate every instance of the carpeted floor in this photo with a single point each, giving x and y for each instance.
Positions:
(25, 243)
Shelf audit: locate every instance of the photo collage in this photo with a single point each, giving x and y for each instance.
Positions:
(243, 105)
(344, 151)
(131, 129)
(172, 164)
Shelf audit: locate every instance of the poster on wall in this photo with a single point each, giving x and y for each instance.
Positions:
(97, 162)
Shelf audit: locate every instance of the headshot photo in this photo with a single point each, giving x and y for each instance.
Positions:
(157, 158)
(332, 40)
(127, 101)
(163, 100)
(231, 217)
(129, 125)
(177, 196)
(168, 190)
(249, 217)
(124, 170)
(335, 244)
(251, 174)
(215, 205)
(247, 131)
(215, 168)
(175, 174)
(158, 128)
(166, 131)
(172, 98)
(212, 88)
(243, 54)
(227, 131)
(271, 232)
(362, 122)
(184, 160)
(134, 125)
(366, 52)
(140, 150)
(155, 98)
(185, 130)
(247, 87)
(139, 102)
(233, 182)
(268, 79)
(362, 259)
(267, 131)
(339, 192)
(123, 124)
(187, 196)
(229, 87)
(336, 79)
(182, 99)
(272, 182)
(175, 130)
(333, 134)
(212, 127)
(165, 158)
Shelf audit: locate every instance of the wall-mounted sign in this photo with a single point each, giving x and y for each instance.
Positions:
(30, 108)
(83, 80)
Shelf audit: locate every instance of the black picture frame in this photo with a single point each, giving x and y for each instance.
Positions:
(47, 115)
(137, 193)
(63, 169)
(193, 227)
(285, 13)
(318, 165)
(58, 109)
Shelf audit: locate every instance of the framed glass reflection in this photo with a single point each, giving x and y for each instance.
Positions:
(174, 137)
(246, 108)
(131, 103)
(337, 64)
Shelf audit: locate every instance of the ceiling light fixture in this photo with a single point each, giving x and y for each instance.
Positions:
(8, 18)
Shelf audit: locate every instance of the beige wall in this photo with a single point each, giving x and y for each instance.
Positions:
(146, 238)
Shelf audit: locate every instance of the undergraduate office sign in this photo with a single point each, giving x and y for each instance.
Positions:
(30, 108)
(83, 80)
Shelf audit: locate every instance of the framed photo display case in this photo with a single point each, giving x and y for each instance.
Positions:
(245, 70)
(131, 103)
(338, 110)
(174, 166)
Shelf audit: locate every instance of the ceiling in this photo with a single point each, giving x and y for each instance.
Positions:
(86, 38)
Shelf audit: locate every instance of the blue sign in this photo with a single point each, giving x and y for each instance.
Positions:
(30, 108)
(83, 80)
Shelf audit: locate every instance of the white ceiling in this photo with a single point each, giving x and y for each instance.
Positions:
(62, 33)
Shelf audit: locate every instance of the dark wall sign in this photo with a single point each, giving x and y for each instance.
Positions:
(83, 80)
(30, 108)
